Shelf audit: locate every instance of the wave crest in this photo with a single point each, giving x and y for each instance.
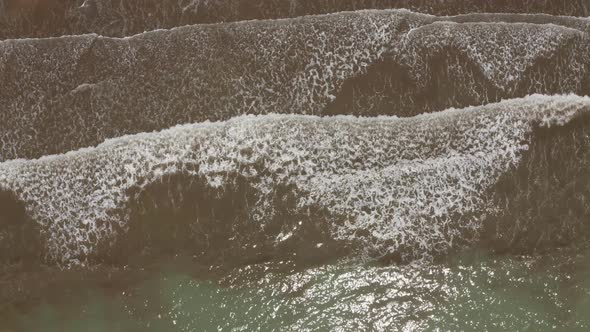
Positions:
(365, 63)
(111, 18)
(412, 187)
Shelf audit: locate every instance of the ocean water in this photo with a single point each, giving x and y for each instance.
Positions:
(471, 291)
(329, 166)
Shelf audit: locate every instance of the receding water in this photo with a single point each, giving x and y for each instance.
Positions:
(473, 291)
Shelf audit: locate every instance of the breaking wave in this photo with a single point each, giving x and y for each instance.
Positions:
(23, 19)
(81, 90)
(281, 186)
(444, 64)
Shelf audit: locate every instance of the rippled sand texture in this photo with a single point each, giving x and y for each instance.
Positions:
(38, 18)
(62, 94)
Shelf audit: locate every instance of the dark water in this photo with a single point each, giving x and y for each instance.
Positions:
(370, 170)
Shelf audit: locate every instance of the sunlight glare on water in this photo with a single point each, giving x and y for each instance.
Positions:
(473, 292)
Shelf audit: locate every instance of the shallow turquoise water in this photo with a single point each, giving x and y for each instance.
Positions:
(473, 292)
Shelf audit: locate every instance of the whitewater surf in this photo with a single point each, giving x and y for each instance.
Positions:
(294, 165)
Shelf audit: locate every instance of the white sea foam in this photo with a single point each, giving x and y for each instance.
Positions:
(414, 183)
(64, 93)
(503, 52)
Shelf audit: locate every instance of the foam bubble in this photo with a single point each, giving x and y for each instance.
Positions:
(61, 94)
(411, 185)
